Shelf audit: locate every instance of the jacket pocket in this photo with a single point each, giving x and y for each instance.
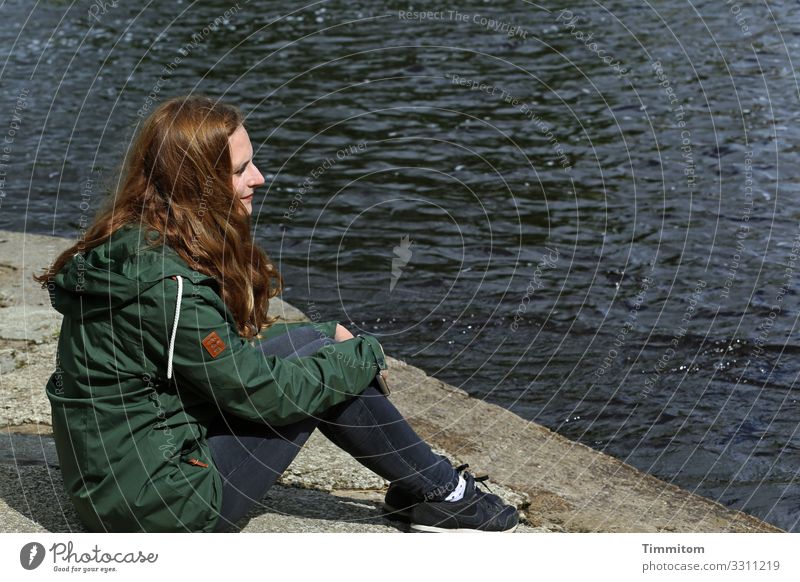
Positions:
(187, 462)
(189, 496)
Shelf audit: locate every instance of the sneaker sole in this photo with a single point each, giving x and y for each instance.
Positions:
(396, 514)
(434, 529)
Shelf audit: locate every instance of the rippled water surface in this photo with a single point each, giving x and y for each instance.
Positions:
(582, 212)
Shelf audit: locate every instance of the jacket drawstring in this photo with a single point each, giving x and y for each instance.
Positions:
(174, 326)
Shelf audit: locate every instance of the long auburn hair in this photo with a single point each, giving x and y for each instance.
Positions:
(177, 179)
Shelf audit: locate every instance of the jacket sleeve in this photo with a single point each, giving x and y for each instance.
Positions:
(211, 358)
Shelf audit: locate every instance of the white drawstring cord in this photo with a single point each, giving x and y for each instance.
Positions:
(174, 326)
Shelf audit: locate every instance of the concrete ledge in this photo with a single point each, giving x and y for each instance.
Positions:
(559, 485)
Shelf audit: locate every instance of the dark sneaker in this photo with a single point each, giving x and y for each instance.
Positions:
(477, 510)
(399, 503)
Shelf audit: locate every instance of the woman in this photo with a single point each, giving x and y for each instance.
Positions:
(176, 401)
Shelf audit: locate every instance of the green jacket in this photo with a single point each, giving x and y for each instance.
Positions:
(148, 356)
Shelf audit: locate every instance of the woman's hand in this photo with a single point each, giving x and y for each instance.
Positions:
(342, 334)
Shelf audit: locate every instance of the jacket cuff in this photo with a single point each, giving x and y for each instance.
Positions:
(377, 350)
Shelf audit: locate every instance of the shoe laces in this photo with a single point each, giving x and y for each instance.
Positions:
(477, 478)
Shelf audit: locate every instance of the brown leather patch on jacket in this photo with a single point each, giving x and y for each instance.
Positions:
(213, 344)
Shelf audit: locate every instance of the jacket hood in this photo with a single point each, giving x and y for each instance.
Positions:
(112, 274)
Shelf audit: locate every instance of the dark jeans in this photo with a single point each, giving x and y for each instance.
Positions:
(251, 456)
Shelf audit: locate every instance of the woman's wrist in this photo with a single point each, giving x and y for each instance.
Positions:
(377, 350)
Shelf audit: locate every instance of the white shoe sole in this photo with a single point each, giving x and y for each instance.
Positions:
(434, 529)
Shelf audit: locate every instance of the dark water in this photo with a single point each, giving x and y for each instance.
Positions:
(598, 232)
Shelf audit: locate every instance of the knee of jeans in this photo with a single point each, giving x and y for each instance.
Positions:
(321, 336)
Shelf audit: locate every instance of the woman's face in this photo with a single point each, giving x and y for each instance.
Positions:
(246, 176)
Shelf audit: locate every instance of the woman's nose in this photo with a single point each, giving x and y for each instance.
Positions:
(257, 178)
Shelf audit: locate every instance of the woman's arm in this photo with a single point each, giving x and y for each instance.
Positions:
(211, 358)
(343, 334)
